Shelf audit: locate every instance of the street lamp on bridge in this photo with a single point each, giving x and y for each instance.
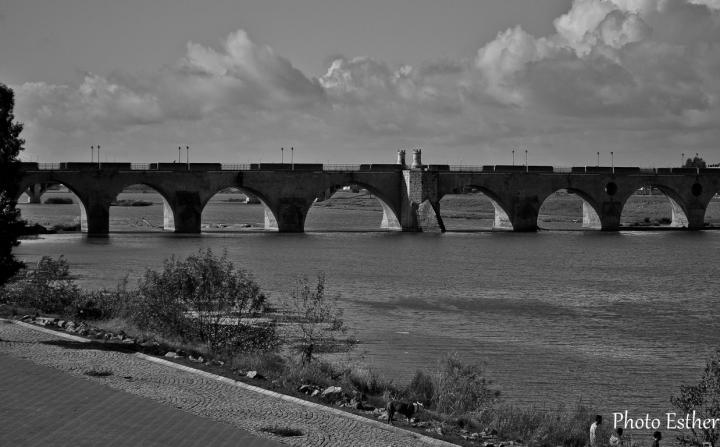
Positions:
(513, 152)
(98, 147)
(282, 155)
(598, 158)
(612, 162)
(292, 159)
(187, 157)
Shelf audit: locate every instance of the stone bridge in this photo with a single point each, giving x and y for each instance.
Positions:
(410, 196)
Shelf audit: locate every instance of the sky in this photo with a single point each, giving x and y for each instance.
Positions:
(347, 81)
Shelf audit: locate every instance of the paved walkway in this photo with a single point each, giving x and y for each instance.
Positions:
(47, 399)
(43, 406)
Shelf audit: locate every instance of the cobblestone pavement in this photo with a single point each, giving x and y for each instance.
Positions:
(200, 394)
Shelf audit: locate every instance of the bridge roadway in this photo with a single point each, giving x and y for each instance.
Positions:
(410, 197)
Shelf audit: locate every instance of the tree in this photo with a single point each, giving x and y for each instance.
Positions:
(704, 400)
(10, 146)
(696, 162)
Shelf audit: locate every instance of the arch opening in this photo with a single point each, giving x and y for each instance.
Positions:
(140, 207)
(567, 209)
(234, 209)
(712, 212)
(351, 207)
(473, 209)
(653, 206)
(53, 207)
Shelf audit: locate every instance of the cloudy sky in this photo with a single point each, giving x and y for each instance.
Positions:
(348, 81)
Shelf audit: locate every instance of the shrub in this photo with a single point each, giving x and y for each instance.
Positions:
(461, 388)
(48, 288)
(203, 297)
(704, 399)
(316, 319)
(421, 388)
(536, 426)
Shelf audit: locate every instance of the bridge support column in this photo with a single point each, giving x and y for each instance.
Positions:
(420, 208)
(610, 216)
(525, 214)
(35, 192)
(288, 215)
(696, 218)
(187, 210)
(95, 216)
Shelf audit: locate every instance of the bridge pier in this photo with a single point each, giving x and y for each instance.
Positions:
(287, 215)
(525, 212)
(35, 192)
(695, 218)
(96, 216)
(610, 216)
(187, 212)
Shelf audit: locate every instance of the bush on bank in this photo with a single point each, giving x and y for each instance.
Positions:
(205, 298)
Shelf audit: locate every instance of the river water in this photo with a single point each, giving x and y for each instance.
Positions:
(613, 320)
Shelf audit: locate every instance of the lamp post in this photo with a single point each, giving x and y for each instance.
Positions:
(187, 157)
(513, 152)
(526, 165)
(282, 155)
(98, 146)
(682, 160)
(292, 158)
(612, 162)
(178, 159)
(92, 154)
(598, 158)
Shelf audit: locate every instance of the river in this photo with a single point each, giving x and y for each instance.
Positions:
(613, 320)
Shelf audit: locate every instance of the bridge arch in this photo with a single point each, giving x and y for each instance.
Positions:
(642, 208)
(588, 217)
(269, 217)
(77, 198)
(501, 216)
(137, 219)
(390, 215)
(711, 217)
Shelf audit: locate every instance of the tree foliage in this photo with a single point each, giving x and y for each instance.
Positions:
(10, 146)
(204, 298)
(704, 400)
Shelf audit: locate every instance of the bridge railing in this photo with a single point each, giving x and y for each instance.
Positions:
(49, 166)
(140, 166)
(467, 168)
(235, 167)
(341, 168)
